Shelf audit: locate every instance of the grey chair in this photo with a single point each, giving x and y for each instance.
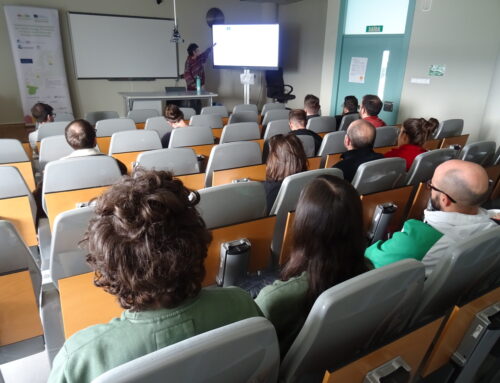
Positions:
(275, 114)
(332, 143)
(141, 115)
(424, 165)
(12, 184)
(322, 124)
(347, 119)
(106, 128)
(386, 136)
(308, 145)
(219, 110)
(352, 318)
(93, 117)
(271, 106)
(241, 131)
(245, 351)
(482, 153)
(188, 113)
(12, 151)
(496, 160)
(232, 155)
(245, 116)
(176, 160)
(213, 121)
(191, 136)
(380, 175)
(134, 141)
(232, 203)
(158, 124)
(245, 108)
(53, 148)
(449, 128)
(51, 129)
(287, 199)
(277, 127)
(64, 117)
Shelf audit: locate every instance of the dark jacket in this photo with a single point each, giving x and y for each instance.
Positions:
(307, 132)
(353, 158)
(272, 189)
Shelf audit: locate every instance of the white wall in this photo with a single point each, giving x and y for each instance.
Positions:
(490, 127)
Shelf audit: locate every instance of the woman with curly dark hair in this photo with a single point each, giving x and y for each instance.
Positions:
(147, 245)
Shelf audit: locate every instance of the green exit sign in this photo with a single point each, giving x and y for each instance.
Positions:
(374, 28)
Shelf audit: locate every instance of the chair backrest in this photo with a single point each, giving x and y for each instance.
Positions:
(322, 124)
(271, 106)
(288, 197)
(188, 113)
(12, 151)
(347, 119)
(424, 165)
(176, 160)
(14, 254)
(51, 129)
(93, 117)
(496, 160)
(460, 268)
(449, 128)
(158, 124)
(191, 136)
(53, 148)
(353, 317)
(482, 153)
(232, 203)
(141, 115)
(212, 121)
(106, 128)
(245, 351)
(12, 184)
(67, 256)
(277, 127)
(245, 108)
(380, 175)
(219, 110)
(308, 145)
(275, 114)
(64, 117)
(134, 141)
(232, 155)
(386, 136)
(332, 143)
(244, 116)
(241, 131)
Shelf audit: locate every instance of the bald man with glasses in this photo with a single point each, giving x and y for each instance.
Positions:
(458, 188)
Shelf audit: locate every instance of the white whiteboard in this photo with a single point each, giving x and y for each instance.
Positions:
(108, 46)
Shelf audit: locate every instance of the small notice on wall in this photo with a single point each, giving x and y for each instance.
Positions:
(437, 70)
(357, 71)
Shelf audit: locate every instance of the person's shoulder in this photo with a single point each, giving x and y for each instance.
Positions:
(218, 294)
(293, 285)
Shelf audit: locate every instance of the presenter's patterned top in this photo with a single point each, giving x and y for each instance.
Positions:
(194, 67)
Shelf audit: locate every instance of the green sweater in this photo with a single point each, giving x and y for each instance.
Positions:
(96, 349)
(414, 241)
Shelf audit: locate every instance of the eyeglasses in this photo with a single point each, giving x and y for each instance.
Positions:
(430, 186)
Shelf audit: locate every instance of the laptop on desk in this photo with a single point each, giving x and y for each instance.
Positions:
(174, 89)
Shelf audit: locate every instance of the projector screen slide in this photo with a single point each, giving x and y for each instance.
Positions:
(246, 46)
(114, 47)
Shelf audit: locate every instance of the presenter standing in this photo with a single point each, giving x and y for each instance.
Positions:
(193, 69)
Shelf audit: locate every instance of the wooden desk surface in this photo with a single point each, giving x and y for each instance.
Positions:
(83, 304)
(19, 319)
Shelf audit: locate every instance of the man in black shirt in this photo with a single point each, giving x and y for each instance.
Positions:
(297, 120)
(311, 106)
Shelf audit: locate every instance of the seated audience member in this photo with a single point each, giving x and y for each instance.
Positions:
(147, 246)
(42, 113)
(412, 137)
(311, 106)
(458, 188)
(358, 141)
(328, 243)
(286, 157)
(350, 107)
(371, 106)
(175, 119)
(297, 120)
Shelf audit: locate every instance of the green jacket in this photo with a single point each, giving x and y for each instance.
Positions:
(96, 349)
(414, 241)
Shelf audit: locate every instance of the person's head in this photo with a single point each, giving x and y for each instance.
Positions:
(42, 113)
(371, 105)
(174, 115)
(458, 186)
(360, 134)
(286, 157)
(80, 134)
(328, 235)
(416, 131)
(350, 104)
(192, 49)
(297, 119)
(147, 242)
(311, 104)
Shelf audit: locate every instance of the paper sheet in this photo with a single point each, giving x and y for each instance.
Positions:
(357, 71)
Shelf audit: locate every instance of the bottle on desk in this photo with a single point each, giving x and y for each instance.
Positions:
(198, 84)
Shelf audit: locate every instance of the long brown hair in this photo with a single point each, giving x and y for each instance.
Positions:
(286, 157)
(419, 130)
(328, 237)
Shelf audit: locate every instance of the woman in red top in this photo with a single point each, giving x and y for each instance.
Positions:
(412, 137)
